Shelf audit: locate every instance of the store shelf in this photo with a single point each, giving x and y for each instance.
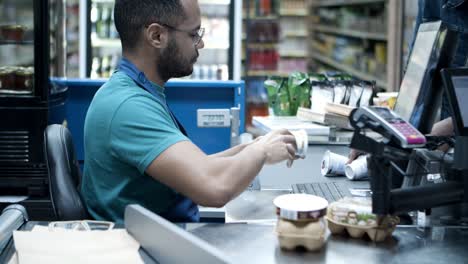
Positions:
(293, 54)
(266, 73)
(214, 46)
(324, 3)
(104, 1)
(22, 60)
(11, 42)
(214, 2)
(293, 13)
(293, 34)
(261, 18)
(262, 45)
(350, 32)
(105, 43)
(342, 67)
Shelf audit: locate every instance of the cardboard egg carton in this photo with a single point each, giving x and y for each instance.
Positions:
(293, 234)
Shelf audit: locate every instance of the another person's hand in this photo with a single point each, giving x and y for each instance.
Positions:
(443, 128)
(353, 154)
(278, 145)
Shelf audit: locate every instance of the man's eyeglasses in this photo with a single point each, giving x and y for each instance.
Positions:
(197, 37)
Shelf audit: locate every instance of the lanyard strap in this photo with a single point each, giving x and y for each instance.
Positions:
(140, 79)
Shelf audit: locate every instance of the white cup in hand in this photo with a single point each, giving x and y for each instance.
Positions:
(302, 143)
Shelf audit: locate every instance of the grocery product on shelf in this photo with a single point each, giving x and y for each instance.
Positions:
(352, 37)
(13, 32)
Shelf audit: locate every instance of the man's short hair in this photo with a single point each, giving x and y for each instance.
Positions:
(131, 16)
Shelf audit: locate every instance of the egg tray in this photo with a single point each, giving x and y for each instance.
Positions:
(375, 233)
(293, 234)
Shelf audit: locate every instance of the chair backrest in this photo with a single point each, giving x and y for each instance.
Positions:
(64, 174)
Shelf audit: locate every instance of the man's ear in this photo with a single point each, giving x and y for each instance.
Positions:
(156, 35)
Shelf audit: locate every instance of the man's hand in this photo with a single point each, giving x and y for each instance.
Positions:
(278, 145)
(353, 154)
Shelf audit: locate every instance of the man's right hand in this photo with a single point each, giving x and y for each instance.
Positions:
(278, 145)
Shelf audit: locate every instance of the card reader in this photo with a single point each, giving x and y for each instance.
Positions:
(401, 131)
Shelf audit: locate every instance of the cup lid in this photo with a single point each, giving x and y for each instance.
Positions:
(325, 163)
(300, 206)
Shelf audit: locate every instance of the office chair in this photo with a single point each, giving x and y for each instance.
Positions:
(64, 174)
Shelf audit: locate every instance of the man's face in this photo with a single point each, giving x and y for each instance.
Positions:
(177, 59)
(175, 62)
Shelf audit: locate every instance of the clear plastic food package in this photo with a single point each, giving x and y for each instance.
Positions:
(354, 216)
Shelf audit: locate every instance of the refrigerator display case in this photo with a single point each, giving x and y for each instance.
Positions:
(103, 48)
(22, 52)
(30, 53)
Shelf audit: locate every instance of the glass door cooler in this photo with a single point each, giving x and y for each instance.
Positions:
(103, 48)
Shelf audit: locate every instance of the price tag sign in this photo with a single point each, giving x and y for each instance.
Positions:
(213, 118)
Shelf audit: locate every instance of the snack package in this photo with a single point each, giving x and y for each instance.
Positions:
(283, 105)
(354, 215)
(299, 90)
(272, 86)
(321, 93)
(340, 89)
(356, 92)
(368, 90)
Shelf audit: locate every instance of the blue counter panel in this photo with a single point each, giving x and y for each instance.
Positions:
(184, 98)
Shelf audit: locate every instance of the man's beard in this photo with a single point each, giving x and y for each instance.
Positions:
(172, 64)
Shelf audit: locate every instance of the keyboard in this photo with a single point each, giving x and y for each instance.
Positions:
(331, 191)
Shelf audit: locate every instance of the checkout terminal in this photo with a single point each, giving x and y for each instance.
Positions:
(420, 93)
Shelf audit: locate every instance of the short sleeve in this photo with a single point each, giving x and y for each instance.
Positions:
(141, 130)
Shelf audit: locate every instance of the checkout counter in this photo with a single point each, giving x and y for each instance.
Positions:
(248, 236)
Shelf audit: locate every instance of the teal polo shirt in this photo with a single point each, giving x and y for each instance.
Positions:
(125, 129)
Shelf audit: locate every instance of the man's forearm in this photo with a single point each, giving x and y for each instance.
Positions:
(235, 173)
(230, 152)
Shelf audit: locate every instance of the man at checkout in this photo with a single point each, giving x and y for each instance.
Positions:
(135, 149)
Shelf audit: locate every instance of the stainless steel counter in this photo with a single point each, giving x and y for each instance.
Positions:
(257, 243)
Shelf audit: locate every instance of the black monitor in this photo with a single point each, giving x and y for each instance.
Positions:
(456, 87)
(420, 93)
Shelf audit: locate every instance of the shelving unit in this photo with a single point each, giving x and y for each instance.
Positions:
(274, 38)
(289, 45)
(23, 42)
(344, 35)
(351, 33)
(348, 69)
(323, 3)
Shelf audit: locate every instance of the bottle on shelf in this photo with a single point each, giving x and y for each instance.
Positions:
(112, 30)
(105, 67)
(94, 19)
(96, 68)
(257, 101)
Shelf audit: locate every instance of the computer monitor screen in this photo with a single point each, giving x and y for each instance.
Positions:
(456, 87)
(420, 91)
(461, 91)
